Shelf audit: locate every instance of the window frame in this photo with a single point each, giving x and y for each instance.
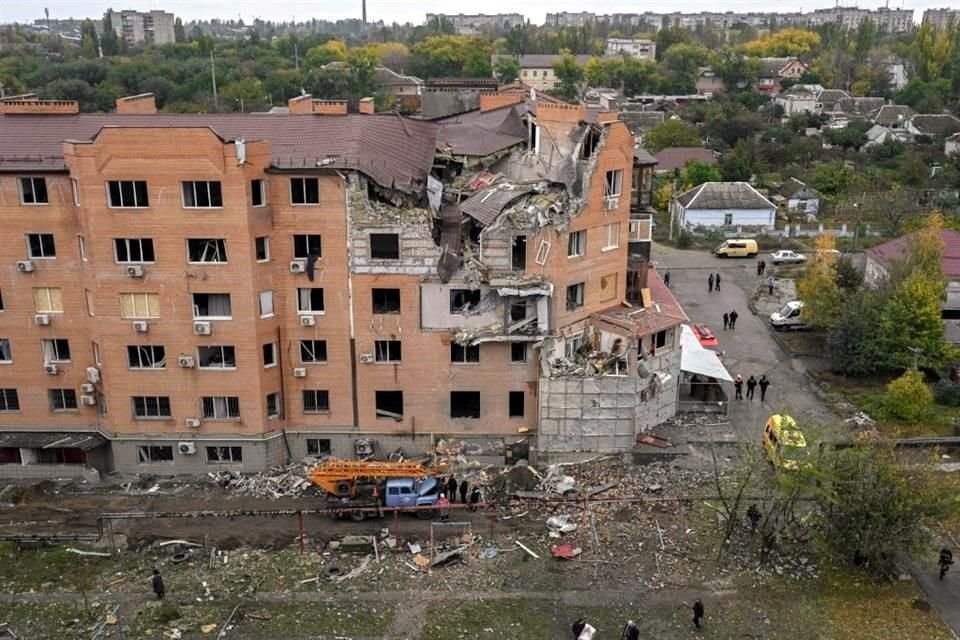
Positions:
(144, 297)
(581, 288)
(9, 400)
(303, 191)
(155, 454)
(384, 302)
(466, 293)
(219, 243)
(230, 406)
(466, 351)
(376, 404)
(65, 397)
(607, 246)
(386, 348)
(159, 401)
(127, 244)
(75, 189)
(479, 405)
(274, 360)
(266, 248)
(195, 308)
(390, 234)
(316, 393)
(316, 449)
(55, 348)
(49, 300)
(141, 350)
(315, 346)
(20, 188)
(258, 186)
(577, 244)
(9, 351)
(613, 181)
(261, 298)
(136, 205)
(225, 454)
(277, 405)
(305, 238)
(311, 311)
(223, 357)
(193, 184)
(526, 355)
(511, 396)
(40, 238)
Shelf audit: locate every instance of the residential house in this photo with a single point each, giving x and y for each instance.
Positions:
(878, 134)
(406, 90)
(800, 197)
(640, 121)
(709, 82)
(893, 116)
(800, 98)
(934, 125)
(856, 109)
(640, 48)
(715, 205)
(536, 70)
(897, 72)
(676, 158)
(952, 144)
(774, 70)
(828, 98)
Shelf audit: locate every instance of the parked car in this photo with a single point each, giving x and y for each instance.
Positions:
(786, 256)
(705, 336)
(786, 447)
(737, 248)
(789, 317)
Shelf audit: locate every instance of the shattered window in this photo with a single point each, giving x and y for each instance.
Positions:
(137, 250)
(224, 454)
(212, 305)
(518, 311)
(206, 250)
(518, 352)
(130, 194)
(614, 183)
(462, 300)
(146, 356)
(316, 401)
(542, 252)
(262, 246)
(270, 354)
(313, 351)
(266, 304)
(5, 355)
(518, 254)
(577, 244)
(575, 296)
(318, 446)
(516, 404)
(389, 404)
(590, 142)
(385, 246)
(386, 300)
(464, 404)
(460, 354)
(202, 194)
(273, 405)
(574, 344)
(387, 351)
(41, 245)
(216, 357)
(33, 191)
(305, 245)
(55, 350)
(151, 453)
(304, 191)
(220, 407)
(151, 406)
(310, 300)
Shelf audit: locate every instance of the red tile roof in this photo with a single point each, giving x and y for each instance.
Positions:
(663, 313)
(677, 157)
(896, 249)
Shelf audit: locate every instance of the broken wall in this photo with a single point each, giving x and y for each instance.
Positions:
(587, 414)
(435, 307)
(658, 403)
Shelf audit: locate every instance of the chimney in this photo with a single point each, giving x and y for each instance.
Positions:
(306, 104)
(301, 104)
(144, 103)
(491, 101)
(29, 105)
(367, 106)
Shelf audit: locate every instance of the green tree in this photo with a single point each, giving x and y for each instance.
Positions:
(832, 178)
(669, 36)
(817, 287)
(848, 278)
(569, 73)
(671, 133)
(179, 34)
(696, 173)
(441, 56)
(332, 51)
(109, 42)
(911, 320)
(908, 398)
(89, 43)
(856, 343)
(931, 51)
(638, 76)
(507, 70)
(245, 93)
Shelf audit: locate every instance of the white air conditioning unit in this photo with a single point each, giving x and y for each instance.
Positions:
(185, 362)
(611, 202)
(25, 266)
(141, 326)
(366, 358)
(202, 328)
(187, 448)
(298, 266)
(42, 319)
(50, 369)
(93, 375)
(135, 271)
(193, 423)
(87, 388)
(300, 372)
(88, 401)
(308, 321)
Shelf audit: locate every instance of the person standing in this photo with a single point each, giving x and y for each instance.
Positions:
(751, 386)
(764, 383)
(710, 283)
(733, 319)
(738, 387)
(577, 628)
(946, 559)
(697, 613)
(753, 515)
(759, 267)
(452, 488)
(716, 282)
(474, 498)
(726, 321)
(630, 632)
(763, 267)
(443, 505)
(158, 587)
(771, 283)
(666, 279)
(464, 487)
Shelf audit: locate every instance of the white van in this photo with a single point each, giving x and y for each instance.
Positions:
(789, 317)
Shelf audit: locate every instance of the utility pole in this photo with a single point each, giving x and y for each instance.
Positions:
(296, 56)
(364, 11)
(213, 77)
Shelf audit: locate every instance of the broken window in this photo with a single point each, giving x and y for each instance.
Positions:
(590, 142)
(576, 244)
(127, 194)
(33, 191)
(313, 351)
(146, 407)
(387, 351)
(273, 405)
(55, 350)
(216, 357)
(146, 356)
(310, 300)
(518, 254)
(75, 187)
(464, 404)
(542, 252)
(518, 352)
(463, 300)
(517, 402)
(316, 401)
(460, 354)
(386, 300)
(262, 248)
(305, 245)
(202, 194)
(304, 191)
(5, 353)
(137, 250)
(41, 245)
(385, 246)
(613, 236)
(220, 407)
(224, 454)
(212, 305)
(575, 296)
(518, 311)
(206, 250)
(662, 340)
(389, 404)
(258, 193)
(318, 446)
(573, 344)
(613, 186)
(270, 354)
(154, 453)
(9, 400)
(62, 399)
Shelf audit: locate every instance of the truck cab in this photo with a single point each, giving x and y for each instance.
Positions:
(410, 492)
(789, 317)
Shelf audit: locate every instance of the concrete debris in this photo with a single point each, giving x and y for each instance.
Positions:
(208, 628)
(289, 481)
(414, 548)
(561, 524)
(520, 477)
(527, 549)
(860, 419)
(447, 556)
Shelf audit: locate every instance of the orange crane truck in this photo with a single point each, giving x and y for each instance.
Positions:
(361, 483)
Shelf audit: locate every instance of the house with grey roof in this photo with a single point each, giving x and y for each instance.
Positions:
(715, 205)
(894, 116)
(536, 70)
(935, 125)
(952, 144)
(799, 196)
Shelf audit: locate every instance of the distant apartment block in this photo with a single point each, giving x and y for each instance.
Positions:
(137, 28)
(475, 24)
(633, 47)
(942, 18)
(570, 19)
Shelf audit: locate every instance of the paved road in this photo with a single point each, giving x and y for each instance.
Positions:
(750, 349)
(944, 595)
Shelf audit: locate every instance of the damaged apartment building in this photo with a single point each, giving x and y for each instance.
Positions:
(235, 291)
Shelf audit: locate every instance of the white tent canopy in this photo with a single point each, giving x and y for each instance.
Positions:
(695, 358)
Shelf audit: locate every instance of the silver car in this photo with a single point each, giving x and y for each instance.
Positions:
(785, 256)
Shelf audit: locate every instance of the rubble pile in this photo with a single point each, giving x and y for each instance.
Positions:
(289, 481)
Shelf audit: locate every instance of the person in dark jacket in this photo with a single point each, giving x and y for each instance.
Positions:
(630, 632)
(753, 515)
(738, 387)
(751, 387)
(452, 489)
(158, 587)
(733, 319)
(710, 283)
(716, 282)
(764, 383)
(666, 279)
(697, 613)
(726, 321)
(578, 627)
(464, 487)
(474, 498)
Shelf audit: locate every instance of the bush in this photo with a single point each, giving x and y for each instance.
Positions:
(909, 398)
(684, 239)
(947, 393)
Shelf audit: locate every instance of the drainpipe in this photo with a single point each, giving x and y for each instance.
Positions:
(353, 335)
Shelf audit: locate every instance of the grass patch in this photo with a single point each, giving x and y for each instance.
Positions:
(496, 618)
(43, 620)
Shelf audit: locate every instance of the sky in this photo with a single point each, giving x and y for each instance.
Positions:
(402, 10)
